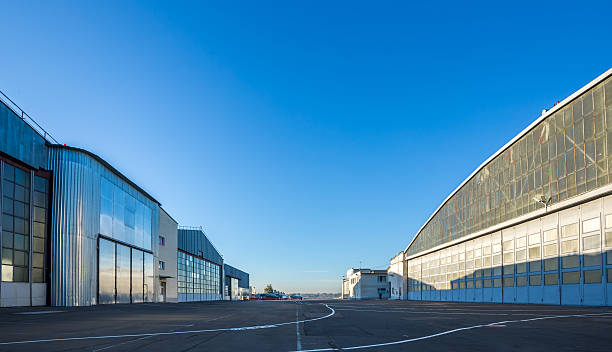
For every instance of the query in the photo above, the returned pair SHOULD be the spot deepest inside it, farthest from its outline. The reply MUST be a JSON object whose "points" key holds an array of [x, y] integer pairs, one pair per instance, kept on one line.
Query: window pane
{"points": [[550, 250], [38, 275], [592, 276], [38, 260], [137, 276], [590, 225], [20, 274], [569, 246], [608, 238], [551, 279], [551, 264], [106, 273], [521, 281], [592, 259], [20, 258], [608, 220], [569, 230], [550, 235], [591, 242], [534, 252], [570, 262], [7, 239], [123, 274], [571, 278], [535, 280], [7, 272], [7, 256]]}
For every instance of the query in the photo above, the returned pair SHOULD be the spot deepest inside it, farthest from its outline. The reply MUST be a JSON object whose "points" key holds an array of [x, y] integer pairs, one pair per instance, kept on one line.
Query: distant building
{"points": [[200, 267], [365, 284], [395, 276], [236, 283]]}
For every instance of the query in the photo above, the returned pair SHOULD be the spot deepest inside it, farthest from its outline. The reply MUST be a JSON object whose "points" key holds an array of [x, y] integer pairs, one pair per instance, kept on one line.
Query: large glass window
{"points": [[198, 279], [106, 272], [123, 217], [565, 155], [149, 276], [137, 276], [123, 274], [16, 226], [40, 197]]}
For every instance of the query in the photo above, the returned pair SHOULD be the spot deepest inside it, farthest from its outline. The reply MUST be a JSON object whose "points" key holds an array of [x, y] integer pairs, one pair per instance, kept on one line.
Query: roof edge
{"points": [[108, 166]]}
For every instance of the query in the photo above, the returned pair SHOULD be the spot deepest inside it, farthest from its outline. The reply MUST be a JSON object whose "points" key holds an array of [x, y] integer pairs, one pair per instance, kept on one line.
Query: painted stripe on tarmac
{"points": [[453, 331], [255, 327]]}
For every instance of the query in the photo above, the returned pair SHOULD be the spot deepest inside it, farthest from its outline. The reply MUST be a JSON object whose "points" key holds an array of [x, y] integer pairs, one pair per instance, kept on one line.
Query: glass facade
{"points": [[567, 154], [123, 217], [106, 272], [125, 275], [24, 224], [198, 279]]}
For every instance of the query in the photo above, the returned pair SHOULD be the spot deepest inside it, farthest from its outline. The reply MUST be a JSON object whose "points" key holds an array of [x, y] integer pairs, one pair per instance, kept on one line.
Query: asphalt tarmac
{"points": [[307, 326]]}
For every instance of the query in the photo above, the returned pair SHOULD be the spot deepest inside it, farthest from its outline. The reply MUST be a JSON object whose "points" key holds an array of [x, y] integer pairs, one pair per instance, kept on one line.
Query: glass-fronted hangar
{"points": [[75, 231], [533, 224]]}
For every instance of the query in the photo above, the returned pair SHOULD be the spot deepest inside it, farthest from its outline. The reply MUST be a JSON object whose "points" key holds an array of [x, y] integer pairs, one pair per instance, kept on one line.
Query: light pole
{"points": [[542, 199]]}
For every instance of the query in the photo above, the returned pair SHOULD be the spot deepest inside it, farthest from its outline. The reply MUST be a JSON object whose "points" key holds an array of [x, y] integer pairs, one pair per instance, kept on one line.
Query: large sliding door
{"points": [[137, 276], [125, 275], [106, 272]]}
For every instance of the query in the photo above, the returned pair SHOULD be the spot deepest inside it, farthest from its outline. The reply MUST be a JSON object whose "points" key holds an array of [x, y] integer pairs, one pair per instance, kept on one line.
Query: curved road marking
{"points": [[255, 327], [453, 331]]}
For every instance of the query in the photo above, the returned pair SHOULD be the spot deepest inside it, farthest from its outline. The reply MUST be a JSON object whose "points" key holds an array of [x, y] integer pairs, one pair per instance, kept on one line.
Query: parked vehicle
{"points": [[296, 297]]}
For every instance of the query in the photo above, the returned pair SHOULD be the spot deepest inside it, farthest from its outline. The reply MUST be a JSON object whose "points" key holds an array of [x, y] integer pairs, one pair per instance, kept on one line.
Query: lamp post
{"points": [[542, 199]]}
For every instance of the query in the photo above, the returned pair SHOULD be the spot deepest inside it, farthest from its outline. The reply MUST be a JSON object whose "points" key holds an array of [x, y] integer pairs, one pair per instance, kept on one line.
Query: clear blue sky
{"points": [[307, 137]]}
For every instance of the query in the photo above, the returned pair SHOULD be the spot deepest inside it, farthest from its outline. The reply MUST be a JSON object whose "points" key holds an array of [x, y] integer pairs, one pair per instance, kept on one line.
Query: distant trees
{"points": [[269, 289]]}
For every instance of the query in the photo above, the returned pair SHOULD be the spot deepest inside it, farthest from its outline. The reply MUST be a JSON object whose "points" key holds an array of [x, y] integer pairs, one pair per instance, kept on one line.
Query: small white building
{"points": [[395, 276], [365, 284]]}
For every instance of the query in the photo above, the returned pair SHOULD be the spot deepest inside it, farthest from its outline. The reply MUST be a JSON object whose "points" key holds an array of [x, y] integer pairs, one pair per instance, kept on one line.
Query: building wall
{"points": [[236, 283], [200, 267], [24, 195], [168, 228], [492, 241], [564, 257], [395, 276], [365, 284]]}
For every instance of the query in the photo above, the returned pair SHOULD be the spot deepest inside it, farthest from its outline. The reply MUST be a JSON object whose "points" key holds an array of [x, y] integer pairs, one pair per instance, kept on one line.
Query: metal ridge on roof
{"points": [[549, 112]]}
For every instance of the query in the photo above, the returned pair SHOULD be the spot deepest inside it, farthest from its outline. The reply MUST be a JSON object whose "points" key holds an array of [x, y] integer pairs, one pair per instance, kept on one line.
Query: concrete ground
{"points": [[307, 326]]}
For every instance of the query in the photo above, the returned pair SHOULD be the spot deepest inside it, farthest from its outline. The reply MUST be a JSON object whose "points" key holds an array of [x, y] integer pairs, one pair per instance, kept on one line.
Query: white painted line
{"points": [[42, 312], [255, 327], [453, 331], [432, 312]]}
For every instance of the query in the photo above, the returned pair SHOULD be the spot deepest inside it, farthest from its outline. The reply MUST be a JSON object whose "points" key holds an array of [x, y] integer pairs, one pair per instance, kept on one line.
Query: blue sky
{"points": [[307, 137]]}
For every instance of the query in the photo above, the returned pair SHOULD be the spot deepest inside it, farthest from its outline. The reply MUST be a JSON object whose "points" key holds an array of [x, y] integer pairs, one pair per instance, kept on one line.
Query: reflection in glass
{"points": [[148, 277], [147, 229], [118, 214], [106, 273], [137, 276], [123, 274], [106, 208]]}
